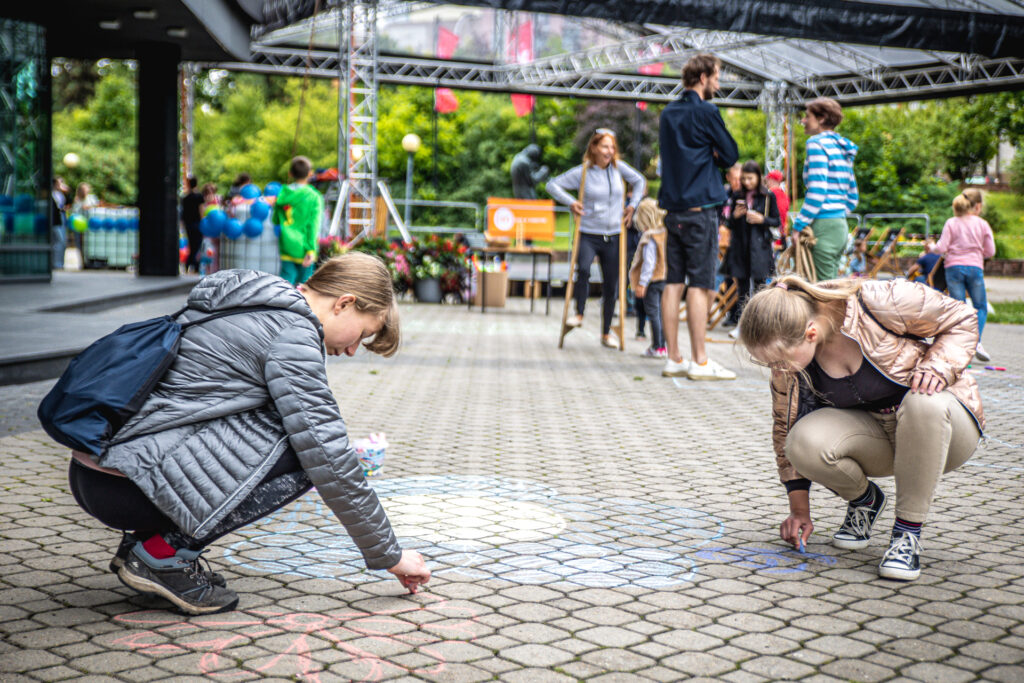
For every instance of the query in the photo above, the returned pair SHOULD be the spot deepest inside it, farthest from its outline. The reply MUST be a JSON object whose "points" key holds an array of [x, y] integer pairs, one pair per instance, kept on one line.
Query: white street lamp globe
{"points": [[411, 143], [71, 160]]}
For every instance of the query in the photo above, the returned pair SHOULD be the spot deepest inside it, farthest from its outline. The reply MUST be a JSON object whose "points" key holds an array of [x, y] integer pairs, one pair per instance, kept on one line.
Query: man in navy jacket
{"points": [[694, 143]]}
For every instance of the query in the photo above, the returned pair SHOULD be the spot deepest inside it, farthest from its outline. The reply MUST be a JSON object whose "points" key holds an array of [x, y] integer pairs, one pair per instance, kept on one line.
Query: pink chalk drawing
{"points": [[166, 634]]}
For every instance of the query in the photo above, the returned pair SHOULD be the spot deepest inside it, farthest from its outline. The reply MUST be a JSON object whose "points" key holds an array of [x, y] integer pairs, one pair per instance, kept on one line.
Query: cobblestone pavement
{"points": [[584, 517]]}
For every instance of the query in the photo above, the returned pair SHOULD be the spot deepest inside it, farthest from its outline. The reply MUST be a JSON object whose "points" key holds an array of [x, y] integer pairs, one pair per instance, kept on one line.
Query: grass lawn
{"points": [[1008, 312], [1010, 235]]}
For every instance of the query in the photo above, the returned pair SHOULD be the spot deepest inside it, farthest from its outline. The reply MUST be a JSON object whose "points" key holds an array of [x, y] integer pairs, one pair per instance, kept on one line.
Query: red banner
{"points": [[445, 101], [520, 47]]}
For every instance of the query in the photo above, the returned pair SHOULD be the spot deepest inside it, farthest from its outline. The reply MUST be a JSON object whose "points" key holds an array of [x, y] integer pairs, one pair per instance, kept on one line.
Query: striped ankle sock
{"points": [[903, 526]]}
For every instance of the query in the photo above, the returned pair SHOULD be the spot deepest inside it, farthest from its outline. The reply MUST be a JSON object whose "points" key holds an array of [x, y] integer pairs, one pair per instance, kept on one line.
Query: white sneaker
{"points": [[981, 354], [674, 369], [574, 321], [711, 371]]}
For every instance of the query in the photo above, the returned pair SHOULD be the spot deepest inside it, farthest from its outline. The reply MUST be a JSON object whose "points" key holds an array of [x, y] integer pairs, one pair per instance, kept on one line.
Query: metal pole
{"points": [[408, 190]]}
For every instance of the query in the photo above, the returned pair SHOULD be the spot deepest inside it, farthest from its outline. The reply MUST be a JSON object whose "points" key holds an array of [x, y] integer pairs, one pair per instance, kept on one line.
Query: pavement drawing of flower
{"points": [[220, 640]]}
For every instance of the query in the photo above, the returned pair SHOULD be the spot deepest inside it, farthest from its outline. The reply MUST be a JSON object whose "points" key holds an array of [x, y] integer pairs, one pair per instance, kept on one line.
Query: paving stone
{"points": [[940, 673], [28, 660], [617, 659], [777, 668], [698, 664], [537, 655], [856, 670]]}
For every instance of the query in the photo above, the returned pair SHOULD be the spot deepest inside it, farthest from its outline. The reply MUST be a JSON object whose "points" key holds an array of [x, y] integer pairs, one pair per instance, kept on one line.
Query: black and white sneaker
{"points": [[128, 542], [855, 532], [902, 561], [181, 581]]}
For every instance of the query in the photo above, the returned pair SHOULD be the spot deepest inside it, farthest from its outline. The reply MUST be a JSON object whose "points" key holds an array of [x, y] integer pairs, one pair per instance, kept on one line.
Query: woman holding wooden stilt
{"points": [[601, 210]]}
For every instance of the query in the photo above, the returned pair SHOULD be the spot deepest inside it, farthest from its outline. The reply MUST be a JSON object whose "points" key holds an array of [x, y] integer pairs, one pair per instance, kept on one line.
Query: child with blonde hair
{"points": [[966, 242], [859, 392], [647, 272]]}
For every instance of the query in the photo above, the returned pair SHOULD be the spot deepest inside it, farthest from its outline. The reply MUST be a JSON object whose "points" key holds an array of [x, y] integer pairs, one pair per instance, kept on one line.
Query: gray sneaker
{"points": [[182, 582], [128, 542]]}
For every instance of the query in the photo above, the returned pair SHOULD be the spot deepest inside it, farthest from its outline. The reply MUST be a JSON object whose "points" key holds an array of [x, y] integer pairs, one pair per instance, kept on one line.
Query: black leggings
{"points": [[607, 251], [118, 503]]}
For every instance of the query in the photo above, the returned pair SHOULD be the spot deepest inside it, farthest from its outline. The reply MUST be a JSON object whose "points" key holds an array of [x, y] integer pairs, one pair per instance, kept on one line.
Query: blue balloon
{"points": [[122, 224], [135, 222], [95, 223], [272, 189], [106, 223], [277, 230], [233, 228], [217, 218], [253, 227], [250, 191], [207, 227], [259, 209]]}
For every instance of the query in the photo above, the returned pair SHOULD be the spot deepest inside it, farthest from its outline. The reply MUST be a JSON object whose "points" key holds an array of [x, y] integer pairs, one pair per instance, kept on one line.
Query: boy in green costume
{"points": [[298, 210]]}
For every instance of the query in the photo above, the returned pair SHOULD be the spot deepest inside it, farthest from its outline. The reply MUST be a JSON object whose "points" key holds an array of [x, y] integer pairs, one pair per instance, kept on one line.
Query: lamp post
{"points": [[411, 144]]}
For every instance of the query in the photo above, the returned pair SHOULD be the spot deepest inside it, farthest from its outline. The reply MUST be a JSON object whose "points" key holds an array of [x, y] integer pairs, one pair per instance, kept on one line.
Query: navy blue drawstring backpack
{"points": [[109, 381]]}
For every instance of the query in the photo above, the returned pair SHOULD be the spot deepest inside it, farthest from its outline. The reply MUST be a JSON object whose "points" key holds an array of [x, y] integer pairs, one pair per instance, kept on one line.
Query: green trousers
{"points": [[832, 234]]}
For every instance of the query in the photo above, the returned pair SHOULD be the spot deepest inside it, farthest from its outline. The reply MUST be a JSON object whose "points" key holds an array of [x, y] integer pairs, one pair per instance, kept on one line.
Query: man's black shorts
{"points": [[691, 248]]}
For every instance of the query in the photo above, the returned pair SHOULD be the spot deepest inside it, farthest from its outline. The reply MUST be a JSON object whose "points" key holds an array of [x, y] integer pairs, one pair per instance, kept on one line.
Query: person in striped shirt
{"points": [[831, 185]]}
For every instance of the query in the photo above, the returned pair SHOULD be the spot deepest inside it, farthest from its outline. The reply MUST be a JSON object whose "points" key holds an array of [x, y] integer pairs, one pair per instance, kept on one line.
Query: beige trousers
{"points": [[927, 436]]}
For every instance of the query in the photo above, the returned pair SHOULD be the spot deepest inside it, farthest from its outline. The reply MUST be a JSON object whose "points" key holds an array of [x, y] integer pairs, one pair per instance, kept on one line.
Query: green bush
{"points": [[1008, 312]]}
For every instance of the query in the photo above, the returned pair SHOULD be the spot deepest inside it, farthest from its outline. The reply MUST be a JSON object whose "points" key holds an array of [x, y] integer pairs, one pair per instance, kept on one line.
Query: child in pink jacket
{"points": [[966, 242]]}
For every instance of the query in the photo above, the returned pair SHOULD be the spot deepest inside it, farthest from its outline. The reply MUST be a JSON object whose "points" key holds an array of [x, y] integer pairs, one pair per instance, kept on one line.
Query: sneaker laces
{"points": [[858, 521], [196, 572], [903, 550]]}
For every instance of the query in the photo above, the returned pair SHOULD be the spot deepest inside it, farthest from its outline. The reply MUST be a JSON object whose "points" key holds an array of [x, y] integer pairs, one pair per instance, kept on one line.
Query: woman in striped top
{"points": [[831, 185]]}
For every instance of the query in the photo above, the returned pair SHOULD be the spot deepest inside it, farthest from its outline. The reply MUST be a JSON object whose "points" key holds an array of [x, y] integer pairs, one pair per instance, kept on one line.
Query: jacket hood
{"points": [[848, 146], [241, 288]]}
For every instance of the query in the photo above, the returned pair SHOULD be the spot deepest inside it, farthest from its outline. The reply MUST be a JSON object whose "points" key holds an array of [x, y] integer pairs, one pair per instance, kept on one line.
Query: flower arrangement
{"points": [[427, 257]]}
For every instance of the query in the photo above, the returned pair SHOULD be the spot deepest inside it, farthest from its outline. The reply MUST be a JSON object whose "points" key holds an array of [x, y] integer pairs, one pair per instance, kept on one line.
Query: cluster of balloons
{"points": [[80, 223], [216, 222]]}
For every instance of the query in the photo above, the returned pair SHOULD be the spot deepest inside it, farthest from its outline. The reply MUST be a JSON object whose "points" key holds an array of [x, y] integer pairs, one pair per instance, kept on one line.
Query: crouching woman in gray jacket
{"points": [[243, 423]]}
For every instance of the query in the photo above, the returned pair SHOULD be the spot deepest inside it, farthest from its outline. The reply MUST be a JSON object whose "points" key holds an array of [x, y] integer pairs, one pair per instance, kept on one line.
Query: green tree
{"points": [[102, 133]]}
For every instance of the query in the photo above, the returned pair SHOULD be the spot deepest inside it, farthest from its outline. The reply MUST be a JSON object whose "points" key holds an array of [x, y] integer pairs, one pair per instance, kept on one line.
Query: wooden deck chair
{"points": [[859, 235], [884, 252], [937, 276]]}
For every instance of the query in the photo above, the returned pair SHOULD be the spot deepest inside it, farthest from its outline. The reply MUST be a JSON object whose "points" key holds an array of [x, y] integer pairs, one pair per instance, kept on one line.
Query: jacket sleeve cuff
{"points": [[386, 561], [797, 485]]}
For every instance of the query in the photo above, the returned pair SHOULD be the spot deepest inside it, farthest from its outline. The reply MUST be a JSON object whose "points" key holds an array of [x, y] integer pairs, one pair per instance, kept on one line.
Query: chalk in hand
{"points": [[802, 547]]}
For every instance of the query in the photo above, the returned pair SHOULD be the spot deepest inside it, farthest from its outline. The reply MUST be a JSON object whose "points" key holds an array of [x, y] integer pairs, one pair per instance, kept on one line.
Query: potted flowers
{"points": [[427, 278]]}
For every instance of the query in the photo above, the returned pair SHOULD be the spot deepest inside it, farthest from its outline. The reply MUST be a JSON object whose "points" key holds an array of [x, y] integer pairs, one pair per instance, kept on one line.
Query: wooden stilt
{"points": [[575, 236]]}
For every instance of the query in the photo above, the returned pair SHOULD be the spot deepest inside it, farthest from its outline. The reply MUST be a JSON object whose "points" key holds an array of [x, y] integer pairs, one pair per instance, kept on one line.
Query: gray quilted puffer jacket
{"points": [[242, 389]]}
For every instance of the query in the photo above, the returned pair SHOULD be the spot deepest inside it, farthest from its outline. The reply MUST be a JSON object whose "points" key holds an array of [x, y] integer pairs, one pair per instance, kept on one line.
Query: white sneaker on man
{"points": [[710, 371], [981, 354], [674, 369]]}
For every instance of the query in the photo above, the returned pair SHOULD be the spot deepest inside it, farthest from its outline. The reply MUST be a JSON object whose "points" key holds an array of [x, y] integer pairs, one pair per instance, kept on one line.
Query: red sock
{"points": [[157, 547]]}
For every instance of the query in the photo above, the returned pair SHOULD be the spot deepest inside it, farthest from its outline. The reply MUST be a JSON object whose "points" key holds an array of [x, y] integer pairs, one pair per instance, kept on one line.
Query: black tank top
{"points": [[867, 389]]}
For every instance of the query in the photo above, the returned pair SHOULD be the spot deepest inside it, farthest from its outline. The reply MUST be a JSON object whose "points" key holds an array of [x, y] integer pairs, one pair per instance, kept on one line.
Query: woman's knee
{"points": [[925, 409]]}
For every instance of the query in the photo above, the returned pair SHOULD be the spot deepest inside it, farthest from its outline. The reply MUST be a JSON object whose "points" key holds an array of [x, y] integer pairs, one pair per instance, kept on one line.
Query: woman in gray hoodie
{"points": [[601, 210], [243, 423]]}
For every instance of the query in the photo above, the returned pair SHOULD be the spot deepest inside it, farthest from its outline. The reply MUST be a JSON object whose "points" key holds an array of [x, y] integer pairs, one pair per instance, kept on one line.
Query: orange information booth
{"points": [[510, 223]]}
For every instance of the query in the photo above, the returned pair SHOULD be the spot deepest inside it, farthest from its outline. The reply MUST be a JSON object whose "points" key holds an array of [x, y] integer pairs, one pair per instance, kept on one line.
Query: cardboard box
{"points": [[497, 289]]}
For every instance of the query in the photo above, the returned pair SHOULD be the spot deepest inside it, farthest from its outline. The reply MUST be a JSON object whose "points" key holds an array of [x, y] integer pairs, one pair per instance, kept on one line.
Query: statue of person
{"points": [[527, 172]]}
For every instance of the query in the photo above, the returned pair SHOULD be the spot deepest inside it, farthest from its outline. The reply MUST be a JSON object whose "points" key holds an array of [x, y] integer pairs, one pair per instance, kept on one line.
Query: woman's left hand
{"points": [[755, 217], [627, 215], [925, 382]]}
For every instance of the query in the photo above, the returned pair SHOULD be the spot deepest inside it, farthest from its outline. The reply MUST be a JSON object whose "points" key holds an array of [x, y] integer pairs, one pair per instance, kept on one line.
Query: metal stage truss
{"points": [[776, 74]]}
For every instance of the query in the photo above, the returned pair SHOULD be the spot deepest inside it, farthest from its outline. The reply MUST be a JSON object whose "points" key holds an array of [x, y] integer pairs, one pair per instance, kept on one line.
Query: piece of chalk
{"points": [[803, 548], [995, 367]]}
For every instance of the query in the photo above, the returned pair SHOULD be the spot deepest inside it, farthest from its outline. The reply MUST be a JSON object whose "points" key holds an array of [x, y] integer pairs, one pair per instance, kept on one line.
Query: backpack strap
{"points": [[224, 314], [878, 322]]}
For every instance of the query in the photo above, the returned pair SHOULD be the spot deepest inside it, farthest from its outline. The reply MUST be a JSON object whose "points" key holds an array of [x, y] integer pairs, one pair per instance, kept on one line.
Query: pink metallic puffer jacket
{"points": [[909, 312]]}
